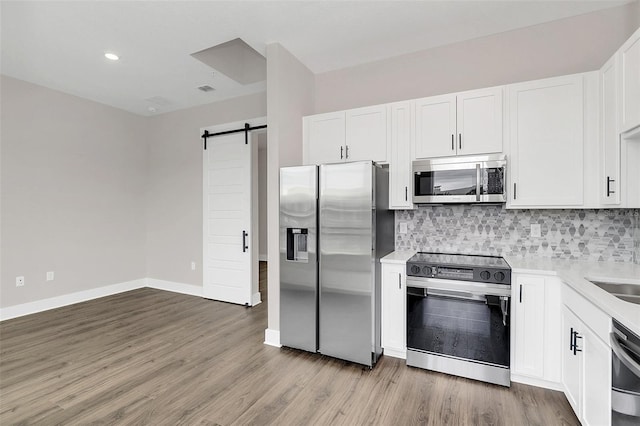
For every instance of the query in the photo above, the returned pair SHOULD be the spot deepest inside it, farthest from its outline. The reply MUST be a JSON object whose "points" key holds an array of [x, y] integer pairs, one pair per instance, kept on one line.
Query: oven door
{"points": [[459, 319]]}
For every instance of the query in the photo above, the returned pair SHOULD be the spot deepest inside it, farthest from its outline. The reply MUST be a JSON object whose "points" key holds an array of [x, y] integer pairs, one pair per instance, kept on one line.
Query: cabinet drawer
{"points": [[594, 318]]}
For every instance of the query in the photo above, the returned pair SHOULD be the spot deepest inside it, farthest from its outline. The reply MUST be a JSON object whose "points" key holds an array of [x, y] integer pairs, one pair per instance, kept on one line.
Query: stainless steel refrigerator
{"points": [[335, 226]]}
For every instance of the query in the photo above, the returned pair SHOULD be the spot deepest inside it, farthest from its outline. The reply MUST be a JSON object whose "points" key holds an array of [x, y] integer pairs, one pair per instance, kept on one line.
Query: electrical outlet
{"points": [[193, 266], [535, 230], [50, 276], [19, 281], [403, 228]]}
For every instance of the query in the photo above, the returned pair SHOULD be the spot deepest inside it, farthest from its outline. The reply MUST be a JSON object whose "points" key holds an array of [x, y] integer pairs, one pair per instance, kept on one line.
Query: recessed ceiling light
{"points": [[111, 56]]}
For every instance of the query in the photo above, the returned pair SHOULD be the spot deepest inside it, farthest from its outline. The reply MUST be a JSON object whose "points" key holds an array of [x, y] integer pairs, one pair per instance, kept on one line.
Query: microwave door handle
{"points": [[622, 355], [477, 182]]}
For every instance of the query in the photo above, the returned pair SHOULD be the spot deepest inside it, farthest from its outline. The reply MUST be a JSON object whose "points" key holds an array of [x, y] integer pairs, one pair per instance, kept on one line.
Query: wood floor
{"points": [[150, 357]]}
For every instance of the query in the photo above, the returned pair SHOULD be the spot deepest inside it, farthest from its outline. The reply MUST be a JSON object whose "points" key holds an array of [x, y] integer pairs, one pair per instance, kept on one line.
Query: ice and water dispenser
{"points": [[297, 244]]}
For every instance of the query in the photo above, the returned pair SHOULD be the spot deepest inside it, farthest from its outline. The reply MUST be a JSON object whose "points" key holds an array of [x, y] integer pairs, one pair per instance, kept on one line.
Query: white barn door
{"points": [[229, 255]]}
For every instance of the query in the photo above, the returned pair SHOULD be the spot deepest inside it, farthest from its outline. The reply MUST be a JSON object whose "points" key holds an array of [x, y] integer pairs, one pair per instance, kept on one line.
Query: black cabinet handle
{"points": [[399, 282], [341, 148], [459, 140], [520, 293], [571, 340], [406, 193], [453, 144], [244, 241], [346, 152], [609, 191], [514, 190]]}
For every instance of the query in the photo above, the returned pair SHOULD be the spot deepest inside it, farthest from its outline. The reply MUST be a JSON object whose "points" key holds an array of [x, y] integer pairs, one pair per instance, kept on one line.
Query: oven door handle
{"points": [[623, 356], [452, 293]]}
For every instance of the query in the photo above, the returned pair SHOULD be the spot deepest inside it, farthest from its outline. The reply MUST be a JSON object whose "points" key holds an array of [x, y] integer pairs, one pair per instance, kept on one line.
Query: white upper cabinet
{"points": [[324, 138], [435, 127], [609, 134], [630, 82], [465, 123], [400, 176], [546, 140], [480, 121], [366, 134], [353, 135]]}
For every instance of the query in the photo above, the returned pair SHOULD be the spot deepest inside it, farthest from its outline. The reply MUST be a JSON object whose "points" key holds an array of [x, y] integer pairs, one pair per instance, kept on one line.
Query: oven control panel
{"points": [[485, 274]]}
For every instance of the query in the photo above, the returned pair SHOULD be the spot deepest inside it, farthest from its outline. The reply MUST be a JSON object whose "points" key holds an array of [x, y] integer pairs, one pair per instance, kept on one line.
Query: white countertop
{"points": [[398, 256], [573, 273]]}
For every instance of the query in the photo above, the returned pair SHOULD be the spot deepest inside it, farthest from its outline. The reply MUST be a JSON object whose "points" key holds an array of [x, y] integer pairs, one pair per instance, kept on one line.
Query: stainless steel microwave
{"points": [[478, 179]]}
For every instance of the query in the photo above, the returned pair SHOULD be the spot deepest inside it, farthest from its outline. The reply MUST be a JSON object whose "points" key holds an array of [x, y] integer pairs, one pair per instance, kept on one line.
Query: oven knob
{"points": [[485, 275], [499, 276], [426, 271], [415, 269]]}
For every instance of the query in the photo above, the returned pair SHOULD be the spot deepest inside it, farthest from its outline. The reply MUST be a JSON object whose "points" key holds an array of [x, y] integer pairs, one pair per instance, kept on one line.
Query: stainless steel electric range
{"points": [[458, 315]]}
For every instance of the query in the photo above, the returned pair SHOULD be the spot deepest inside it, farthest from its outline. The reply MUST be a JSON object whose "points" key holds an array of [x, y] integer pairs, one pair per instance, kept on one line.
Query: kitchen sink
{"points": [[624, 291]]}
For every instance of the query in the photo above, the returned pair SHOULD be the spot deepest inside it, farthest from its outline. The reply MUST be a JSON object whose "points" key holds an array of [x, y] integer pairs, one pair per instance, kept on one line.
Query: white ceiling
{"points": [[61, 44]]}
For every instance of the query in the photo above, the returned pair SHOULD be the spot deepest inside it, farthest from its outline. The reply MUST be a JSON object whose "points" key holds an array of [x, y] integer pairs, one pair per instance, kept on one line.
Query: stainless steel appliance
{"points": [[480, 179], [334, 227], [625, 376], [458, 315]]}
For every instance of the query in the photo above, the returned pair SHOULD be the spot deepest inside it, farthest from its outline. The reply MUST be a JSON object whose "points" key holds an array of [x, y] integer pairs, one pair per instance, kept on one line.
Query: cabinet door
{"points": [[479, 121], [435, 127], [609, 139], [630, 79], [546, 132], [400, 176], [529, 311], [597, 379], [393, 310], [571, 363], [324, 138], [366, 134]]}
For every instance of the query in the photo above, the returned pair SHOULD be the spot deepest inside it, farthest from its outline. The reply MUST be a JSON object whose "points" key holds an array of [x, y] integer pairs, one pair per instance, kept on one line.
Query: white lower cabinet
{"points": [[586, 361], [535, 334], [394, 280]]}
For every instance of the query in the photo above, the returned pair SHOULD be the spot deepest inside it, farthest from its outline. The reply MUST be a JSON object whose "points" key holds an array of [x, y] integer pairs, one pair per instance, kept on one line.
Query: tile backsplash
{"points": [[611, 235]]}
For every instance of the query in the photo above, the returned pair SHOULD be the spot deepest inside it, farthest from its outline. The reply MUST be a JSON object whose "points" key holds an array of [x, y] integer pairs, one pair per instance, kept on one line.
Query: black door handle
{"points": [[245, 247], [453, 144], [341, 148], [609, 191], [406, 193], [514, 190], [571, 341], [520, 293], [575, 343], [459, 140]]}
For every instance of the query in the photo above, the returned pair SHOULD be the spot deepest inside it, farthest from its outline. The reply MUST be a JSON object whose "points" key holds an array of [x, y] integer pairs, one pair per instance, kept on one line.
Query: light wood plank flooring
{"points": [[151, 357]]}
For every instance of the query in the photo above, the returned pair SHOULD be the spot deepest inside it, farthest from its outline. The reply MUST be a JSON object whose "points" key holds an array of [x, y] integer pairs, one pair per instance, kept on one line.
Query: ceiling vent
{"points": [[235, 59], [206, 88]]}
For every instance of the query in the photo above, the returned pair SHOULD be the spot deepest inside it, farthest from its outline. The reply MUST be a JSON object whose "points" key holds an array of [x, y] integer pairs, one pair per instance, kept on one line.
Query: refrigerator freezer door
{"points": [[346, 262], [298, 257]]}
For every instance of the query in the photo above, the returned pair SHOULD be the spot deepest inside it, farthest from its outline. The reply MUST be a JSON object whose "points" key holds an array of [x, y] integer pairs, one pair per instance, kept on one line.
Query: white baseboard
{"points": [[272, 338], [395, 353], [68, 299], [532, 381], [190, 289], [256, 299]]}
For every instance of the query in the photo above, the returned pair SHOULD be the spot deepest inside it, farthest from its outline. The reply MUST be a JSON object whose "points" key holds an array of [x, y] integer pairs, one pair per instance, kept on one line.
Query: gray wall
{"points": [[73, 193], [174, 198], [566, 46], [290, 87]]}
